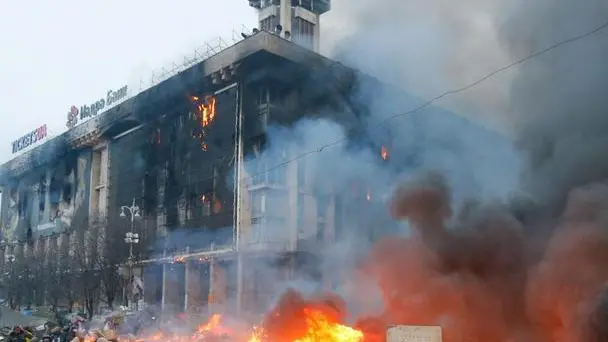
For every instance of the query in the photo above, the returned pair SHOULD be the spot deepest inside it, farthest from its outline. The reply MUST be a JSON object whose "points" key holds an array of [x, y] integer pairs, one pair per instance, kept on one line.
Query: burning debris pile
{"points": [[478, 277], [298, 321]]}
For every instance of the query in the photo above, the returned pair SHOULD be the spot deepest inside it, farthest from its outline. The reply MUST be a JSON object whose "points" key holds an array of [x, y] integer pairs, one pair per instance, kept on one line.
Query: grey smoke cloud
{"points": [[425, 48], [558, 102], [552, 105]]}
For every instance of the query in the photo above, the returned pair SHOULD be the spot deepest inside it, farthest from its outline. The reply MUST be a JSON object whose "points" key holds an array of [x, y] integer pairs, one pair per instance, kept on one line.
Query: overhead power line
{"points": [[433, 100], [445, 94]]}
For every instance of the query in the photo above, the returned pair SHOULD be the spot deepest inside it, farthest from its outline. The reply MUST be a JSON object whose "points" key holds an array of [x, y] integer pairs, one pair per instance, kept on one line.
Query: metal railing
{"points": [[201, 53]]}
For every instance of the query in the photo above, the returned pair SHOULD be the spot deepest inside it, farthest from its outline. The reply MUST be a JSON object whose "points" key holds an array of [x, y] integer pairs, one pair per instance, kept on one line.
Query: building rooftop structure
{"points": [[262, 46]]}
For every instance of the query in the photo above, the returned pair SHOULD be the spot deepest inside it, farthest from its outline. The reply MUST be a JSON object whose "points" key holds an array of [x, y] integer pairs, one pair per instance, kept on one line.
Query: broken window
{"points": [[22, 208], [67, 192], [55, 197], [41, 198], [99, 177]]}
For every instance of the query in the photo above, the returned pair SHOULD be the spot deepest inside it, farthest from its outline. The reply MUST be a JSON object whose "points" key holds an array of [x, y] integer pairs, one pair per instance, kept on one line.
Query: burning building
{"points": [[211, 201]]}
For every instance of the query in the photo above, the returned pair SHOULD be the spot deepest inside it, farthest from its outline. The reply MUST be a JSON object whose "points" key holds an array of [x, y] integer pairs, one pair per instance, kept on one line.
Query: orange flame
{"points": [[207, 111], [214, 325], [319, 327], [322, 329], [179, 259], [384, 153]]}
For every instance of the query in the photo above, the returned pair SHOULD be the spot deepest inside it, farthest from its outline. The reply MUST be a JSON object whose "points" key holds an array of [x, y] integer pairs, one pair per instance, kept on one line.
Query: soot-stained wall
{"points": [[49, 199], [177, 168]]}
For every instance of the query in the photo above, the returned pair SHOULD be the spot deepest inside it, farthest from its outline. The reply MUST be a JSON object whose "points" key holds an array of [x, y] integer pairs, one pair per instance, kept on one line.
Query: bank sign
{"points": [[87, 111], [30, 139]]}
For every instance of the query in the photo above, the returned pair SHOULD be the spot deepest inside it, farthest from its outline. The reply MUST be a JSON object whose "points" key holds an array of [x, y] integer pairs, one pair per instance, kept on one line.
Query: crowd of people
{"points": [[75, 330]]}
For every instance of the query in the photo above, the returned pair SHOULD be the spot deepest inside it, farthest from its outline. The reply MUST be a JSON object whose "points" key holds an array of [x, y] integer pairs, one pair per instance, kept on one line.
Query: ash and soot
{"points": [[530, 268]]}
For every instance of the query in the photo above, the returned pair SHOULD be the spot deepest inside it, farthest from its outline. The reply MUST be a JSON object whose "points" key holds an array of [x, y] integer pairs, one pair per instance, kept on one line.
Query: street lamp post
{"points": [[131, 237], [11, 286]]}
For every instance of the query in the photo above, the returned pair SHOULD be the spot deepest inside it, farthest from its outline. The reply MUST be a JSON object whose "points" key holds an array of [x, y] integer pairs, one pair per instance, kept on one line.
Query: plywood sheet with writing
{"points": [[411, 333]]}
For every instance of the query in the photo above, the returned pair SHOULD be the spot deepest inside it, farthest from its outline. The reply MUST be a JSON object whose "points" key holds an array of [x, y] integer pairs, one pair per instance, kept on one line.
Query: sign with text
{"points": [[413, 333], [30, 139], [88, 111]]}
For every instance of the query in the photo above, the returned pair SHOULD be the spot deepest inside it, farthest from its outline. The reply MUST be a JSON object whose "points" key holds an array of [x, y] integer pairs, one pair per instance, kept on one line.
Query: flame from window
{"points": [[384, 153], [206, 113], [179, 259], [210, 199], [206, 109]]}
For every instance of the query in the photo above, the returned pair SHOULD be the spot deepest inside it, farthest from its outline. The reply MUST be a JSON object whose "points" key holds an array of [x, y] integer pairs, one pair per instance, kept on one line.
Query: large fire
{"points": [[317, 327], [488, 280]]}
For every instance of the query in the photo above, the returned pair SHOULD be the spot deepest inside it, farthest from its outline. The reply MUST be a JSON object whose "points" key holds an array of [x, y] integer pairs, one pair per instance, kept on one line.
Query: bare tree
{"points": [[52, 275], [106, 256], [109, 261], [12, 281], [67, 274], [89, 274], [36, 278]]}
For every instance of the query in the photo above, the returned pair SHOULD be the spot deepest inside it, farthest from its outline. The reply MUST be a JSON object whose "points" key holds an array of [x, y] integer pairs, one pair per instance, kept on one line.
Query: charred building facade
{"points": [[214, 209]]}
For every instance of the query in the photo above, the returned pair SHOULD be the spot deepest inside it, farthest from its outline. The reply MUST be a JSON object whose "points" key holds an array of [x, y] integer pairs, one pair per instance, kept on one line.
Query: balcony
{"points": [[266, 175], [267, 234]]}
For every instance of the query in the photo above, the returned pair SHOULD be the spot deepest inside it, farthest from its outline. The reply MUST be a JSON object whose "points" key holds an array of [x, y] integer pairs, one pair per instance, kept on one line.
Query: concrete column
{"points": [[317, 35], [193, 287], [211, 294], [285, 15], [186, 280], [163, 302], [239, 282]]}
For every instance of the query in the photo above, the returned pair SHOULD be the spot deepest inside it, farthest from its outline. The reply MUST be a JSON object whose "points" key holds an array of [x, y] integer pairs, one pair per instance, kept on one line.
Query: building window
{"points": [[338, 218], [266, 172], [99, 178], [320, 231], [303, 32], [206, 203], [266, 3], [302, 173], [258, 209], [322, 203], [306, 4], [42, 199], [269, 23], [23, 201], [258, 204], [301, 215], [263, 96]]}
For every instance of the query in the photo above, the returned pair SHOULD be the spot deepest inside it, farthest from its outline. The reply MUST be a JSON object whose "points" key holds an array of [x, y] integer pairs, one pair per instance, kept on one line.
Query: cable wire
{"points": [[443, 95], [423, 105]]}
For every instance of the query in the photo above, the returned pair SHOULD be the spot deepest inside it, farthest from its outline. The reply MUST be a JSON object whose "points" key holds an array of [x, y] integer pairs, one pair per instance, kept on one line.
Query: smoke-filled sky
{"points": [[553, 106], [426, 47]]}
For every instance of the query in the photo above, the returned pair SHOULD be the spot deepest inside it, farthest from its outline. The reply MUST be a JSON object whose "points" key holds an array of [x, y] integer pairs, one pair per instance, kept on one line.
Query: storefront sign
{"points": [[87, 111], [29, 139]]}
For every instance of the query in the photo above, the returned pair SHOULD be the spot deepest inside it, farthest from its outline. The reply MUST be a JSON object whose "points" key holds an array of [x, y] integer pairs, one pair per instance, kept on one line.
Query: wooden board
{"points": [[413, 333]]}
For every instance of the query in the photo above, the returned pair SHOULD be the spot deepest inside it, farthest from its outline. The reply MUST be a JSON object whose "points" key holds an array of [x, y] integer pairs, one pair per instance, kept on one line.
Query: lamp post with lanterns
{"points": [[131, 237]]}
